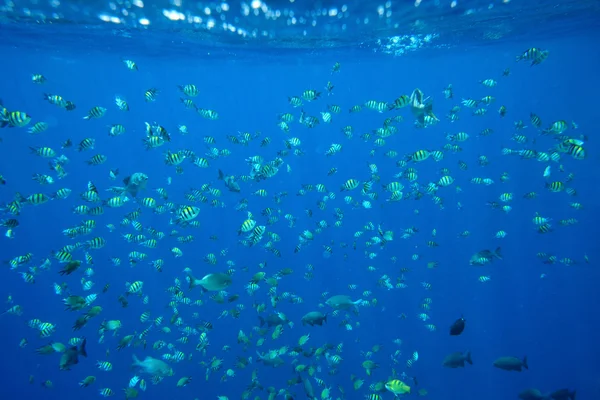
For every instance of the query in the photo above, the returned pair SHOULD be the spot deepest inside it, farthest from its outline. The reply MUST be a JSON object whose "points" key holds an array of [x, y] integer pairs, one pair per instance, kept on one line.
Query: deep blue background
{"points": [[553, 321]]}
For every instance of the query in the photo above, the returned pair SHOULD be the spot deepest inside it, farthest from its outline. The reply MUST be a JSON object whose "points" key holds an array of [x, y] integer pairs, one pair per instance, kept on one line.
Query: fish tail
{"points": [[82, 350], [468, 358], [498, 253], [525, 363], [192, 281]]}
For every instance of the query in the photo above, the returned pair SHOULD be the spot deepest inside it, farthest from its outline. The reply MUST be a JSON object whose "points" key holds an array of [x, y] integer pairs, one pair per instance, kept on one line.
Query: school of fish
{"points": [[137, 209]]}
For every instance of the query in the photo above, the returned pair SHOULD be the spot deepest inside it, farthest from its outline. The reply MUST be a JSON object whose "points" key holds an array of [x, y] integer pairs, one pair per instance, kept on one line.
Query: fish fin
{"points": [[427, 104], [498, 253], [193, 281], [82, 350], [133, 191], [126, 180], [468, 358]]}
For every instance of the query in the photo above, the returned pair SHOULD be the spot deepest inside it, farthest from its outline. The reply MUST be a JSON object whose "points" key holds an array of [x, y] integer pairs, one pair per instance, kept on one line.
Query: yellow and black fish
{"points": [[190, 90], [38, 78], [151, 94], [95, 112], [13, 119], [535, 55], [131, 65]]}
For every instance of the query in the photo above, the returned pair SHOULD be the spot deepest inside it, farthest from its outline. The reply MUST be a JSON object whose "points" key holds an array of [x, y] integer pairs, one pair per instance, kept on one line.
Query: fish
{"points": [[511, 363], [211, 282], [308, 389], [314, 318], [532, 394], [135, 182], [273, 320], [307, 386], [457, 360], [457, 327], [71, 356], [230, 182], [152, 366], [420, 105], [562, 394], [342, 302], [486, 256], [270, 359], [397, 387]]}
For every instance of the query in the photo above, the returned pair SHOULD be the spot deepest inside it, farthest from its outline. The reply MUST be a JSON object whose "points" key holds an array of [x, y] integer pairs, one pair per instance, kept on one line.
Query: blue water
{"points": [[552, 320]]}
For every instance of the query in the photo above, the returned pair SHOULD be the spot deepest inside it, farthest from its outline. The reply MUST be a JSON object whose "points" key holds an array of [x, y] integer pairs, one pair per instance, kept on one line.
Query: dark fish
{"points": [[563, 394], [511, 363], [420, 105], [457, 360], [532, 394], [230, 182], [135, 182], [314, 318], [486, 256], [70, 267], [457, 327], [272, 320], [70, 106], [308, 389], [270, 361], [71, 356]]}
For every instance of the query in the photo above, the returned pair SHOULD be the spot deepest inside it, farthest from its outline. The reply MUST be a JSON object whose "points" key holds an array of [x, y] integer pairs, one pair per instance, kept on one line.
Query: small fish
{"points": [[457, 327], [38, 78], [511, 363], [535, 55], [547, 171], [457, 360], [71, 356], [131, 65], [95, 112]]}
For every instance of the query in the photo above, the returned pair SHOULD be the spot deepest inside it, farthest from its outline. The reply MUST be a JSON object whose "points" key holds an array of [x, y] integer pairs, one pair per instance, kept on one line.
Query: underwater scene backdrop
{"points": [[299, 200]]}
